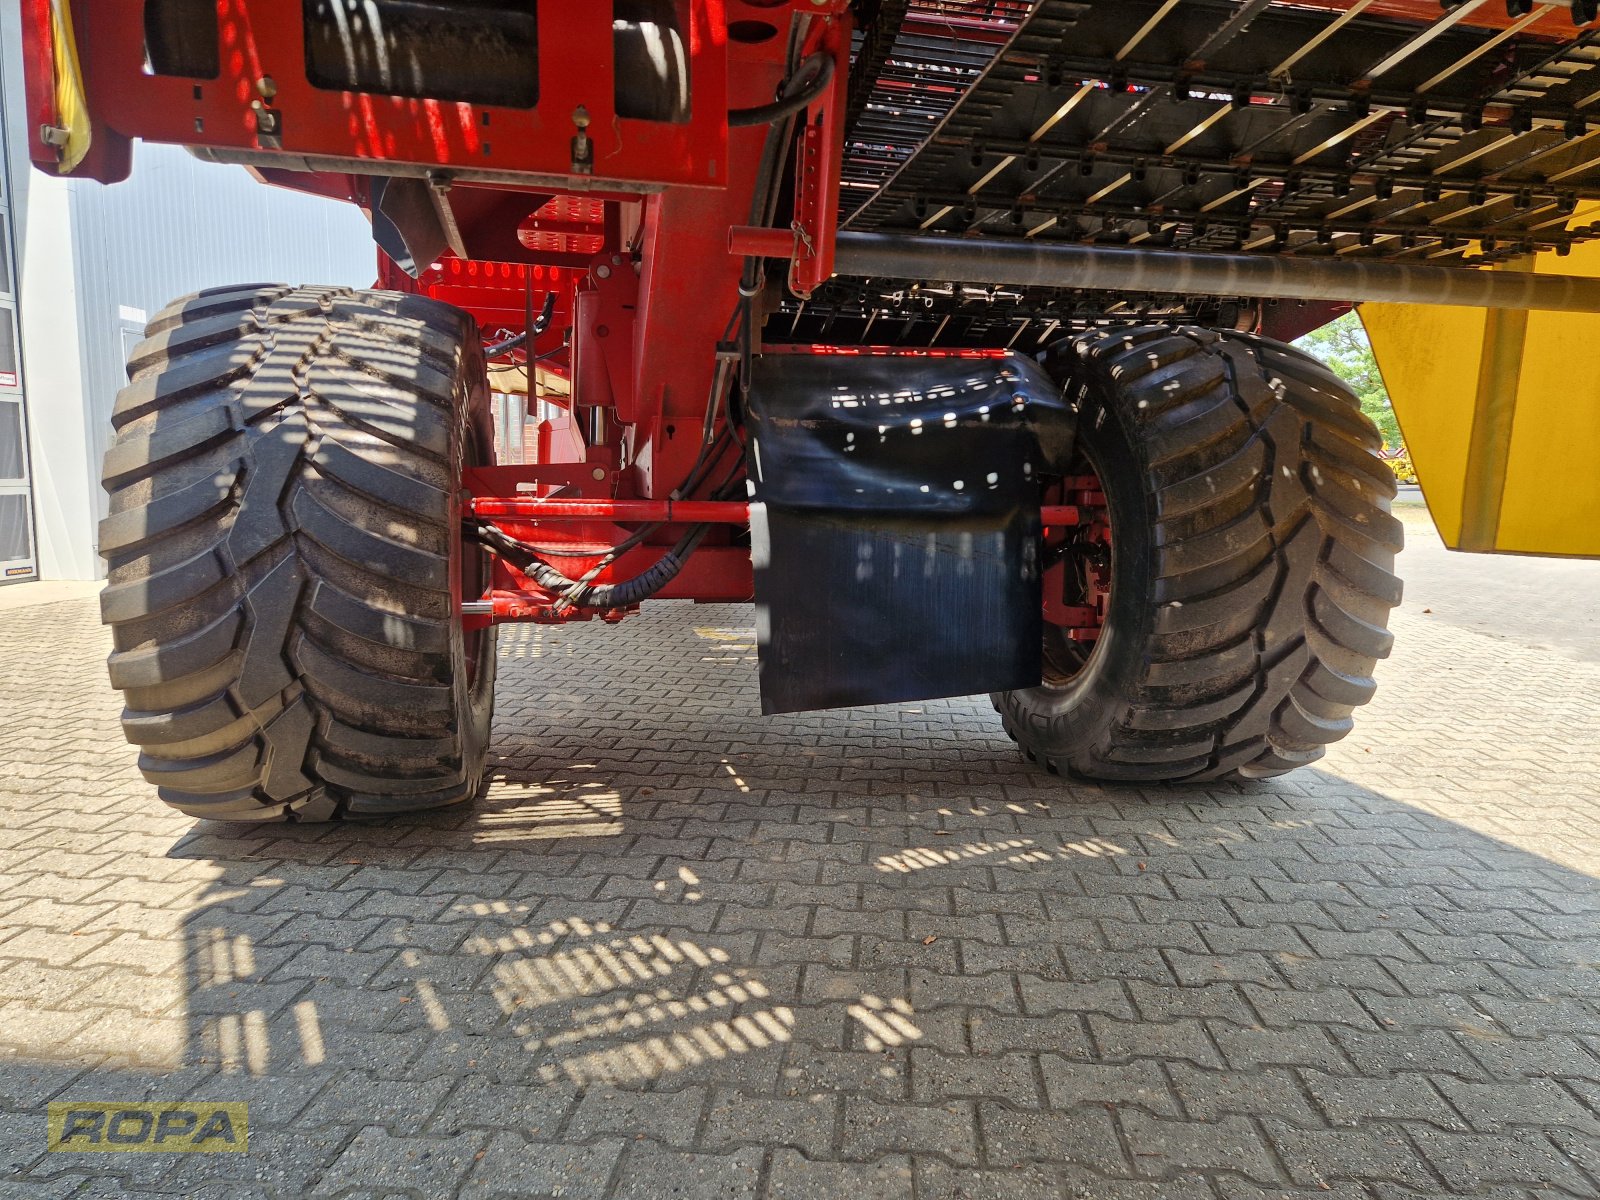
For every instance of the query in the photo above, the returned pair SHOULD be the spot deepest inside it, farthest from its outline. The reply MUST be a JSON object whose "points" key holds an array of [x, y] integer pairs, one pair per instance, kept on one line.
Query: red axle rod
{"points": [[762, 243], [693, 512]]}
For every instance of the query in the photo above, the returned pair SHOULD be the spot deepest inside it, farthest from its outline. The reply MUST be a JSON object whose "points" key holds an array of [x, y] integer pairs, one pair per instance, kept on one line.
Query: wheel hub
{"points": [[1077, 574]]}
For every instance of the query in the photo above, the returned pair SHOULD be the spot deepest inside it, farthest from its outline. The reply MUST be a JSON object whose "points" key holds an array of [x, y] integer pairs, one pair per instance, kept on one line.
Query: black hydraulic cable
{"points": [[507, 346], [801, 91], [719, 380], [763, 206], [713, 456], [540, 324], [477, 533], [692, 477], [720, 492], [579, 593], [527, 555], [523, 360], [642, 586], [646, 584], [711, 451], [691, 482]]}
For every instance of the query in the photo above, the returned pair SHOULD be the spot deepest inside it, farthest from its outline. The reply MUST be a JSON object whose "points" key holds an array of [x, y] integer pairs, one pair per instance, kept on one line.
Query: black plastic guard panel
{"points": [[895, 525]]}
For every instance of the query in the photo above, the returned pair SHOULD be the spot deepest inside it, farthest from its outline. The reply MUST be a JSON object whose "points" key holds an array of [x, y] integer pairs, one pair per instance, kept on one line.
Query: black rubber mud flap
{"points": [[895, 525]]}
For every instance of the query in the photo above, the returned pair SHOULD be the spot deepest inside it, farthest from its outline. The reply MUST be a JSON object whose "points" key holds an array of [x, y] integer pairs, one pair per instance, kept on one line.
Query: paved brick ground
{"points": [[682, 951]]}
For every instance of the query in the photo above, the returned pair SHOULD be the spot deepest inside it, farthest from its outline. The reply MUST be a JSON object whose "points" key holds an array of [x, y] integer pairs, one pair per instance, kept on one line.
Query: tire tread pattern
{"points": [[247, 610], [1272, 557]]}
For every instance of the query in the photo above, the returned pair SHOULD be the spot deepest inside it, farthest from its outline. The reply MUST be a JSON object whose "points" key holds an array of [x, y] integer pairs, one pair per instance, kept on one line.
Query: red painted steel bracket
{"points": [[817, 171], [809, 241], [607, 305], [1082, 623], [263, 102], [598, 475]]}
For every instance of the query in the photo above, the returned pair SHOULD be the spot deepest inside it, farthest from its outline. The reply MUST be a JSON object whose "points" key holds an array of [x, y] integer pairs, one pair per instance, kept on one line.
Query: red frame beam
{"points": [[688, 512], [264, 40], [636, 324]]}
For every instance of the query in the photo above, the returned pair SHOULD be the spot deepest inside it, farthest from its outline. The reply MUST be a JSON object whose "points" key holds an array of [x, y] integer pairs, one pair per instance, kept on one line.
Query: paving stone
{"points": [[938, 1180], [376, 1160], [943, 957], [1518, 1058], [1069, 1083], [1182, 1039], [950, 1030], [480, 1101], [1540, 1103], [1243, 1189], [1160, 1146], [1224, 1001], [872, 1128], [1269, 1091], [358, 1099], [651, 1172], [1287, 1008], [1064, 1033], [1400, 1097], [1040, 960], [668, 1117], [806, 1123], [512, 1167], [794, 1177], [26, 1085], [808, 1070], [1315, 1157], [288, 1162], [1086, 1136], [1523, 1160], [1196, 970], [937, 1076], [1045, 996], [1143, 964], [1388, 1052], [1080, 1184], [1583, 1149]]}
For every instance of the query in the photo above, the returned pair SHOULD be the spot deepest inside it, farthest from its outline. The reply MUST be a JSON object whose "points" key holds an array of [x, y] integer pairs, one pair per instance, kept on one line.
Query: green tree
{"points": [[1342, 345]]}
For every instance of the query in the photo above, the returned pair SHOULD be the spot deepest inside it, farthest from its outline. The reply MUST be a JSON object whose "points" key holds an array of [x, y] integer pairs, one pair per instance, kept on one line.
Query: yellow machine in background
{"points": [[1501, 414]]}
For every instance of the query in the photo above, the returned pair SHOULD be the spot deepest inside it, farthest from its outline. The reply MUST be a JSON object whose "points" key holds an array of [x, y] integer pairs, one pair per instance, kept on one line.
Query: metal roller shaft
{"points": [[1177, 272]]}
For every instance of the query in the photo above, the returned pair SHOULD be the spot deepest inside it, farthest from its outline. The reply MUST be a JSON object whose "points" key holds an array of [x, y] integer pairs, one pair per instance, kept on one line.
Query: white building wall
{"points": [[64, 504], [95, 261]]}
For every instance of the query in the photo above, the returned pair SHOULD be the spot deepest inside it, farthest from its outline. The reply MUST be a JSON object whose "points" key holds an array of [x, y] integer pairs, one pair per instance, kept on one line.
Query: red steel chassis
{"points": [[635, 252], [641, 241]]}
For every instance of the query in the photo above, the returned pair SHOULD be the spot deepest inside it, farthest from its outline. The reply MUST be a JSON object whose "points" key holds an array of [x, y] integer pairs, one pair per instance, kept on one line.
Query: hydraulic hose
{"points": [[581, 594], [540, 324], [808, 82], [506, 347]]}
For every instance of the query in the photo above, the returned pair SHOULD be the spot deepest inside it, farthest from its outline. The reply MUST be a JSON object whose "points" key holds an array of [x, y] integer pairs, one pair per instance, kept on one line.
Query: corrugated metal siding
{"points": [[179, 225]]}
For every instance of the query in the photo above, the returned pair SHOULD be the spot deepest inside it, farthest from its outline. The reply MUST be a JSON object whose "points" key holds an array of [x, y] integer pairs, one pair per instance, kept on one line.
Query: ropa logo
{"points": [[171, 1127]]}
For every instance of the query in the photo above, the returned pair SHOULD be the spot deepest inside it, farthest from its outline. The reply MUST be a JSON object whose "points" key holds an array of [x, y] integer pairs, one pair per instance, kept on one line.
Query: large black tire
{"points": [[285, 554], [1252, 561]]}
